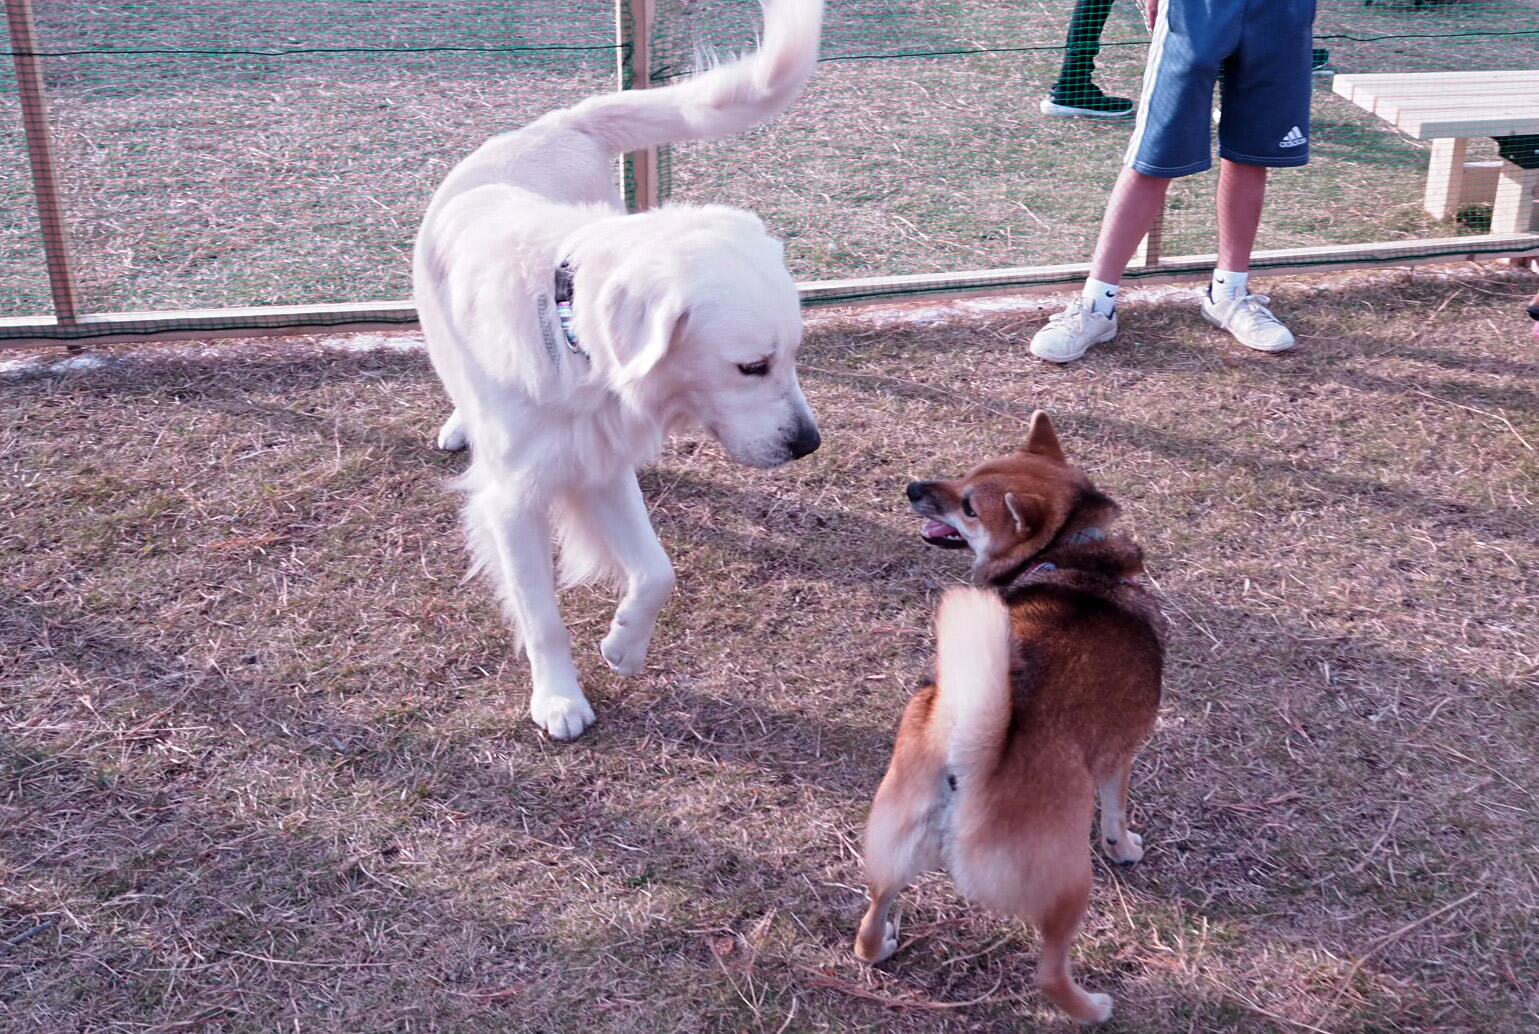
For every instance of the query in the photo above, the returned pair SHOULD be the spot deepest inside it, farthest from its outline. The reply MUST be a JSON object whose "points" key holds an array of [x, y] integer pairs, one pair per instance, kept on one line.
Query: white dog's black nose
{"points": [[806, 440]]}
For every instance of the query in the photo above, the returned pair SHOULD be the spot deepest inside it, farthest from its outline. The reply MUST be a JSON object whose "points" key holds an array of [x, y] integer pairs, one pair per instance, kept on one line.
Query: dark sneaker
{"points": [[1085, 101]]}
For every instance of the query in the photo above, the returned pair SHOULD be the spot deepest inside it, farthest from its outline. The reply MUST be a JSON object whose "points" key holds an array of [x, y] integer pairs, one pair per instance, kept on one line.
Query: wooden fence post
{"points": [[1148, 254], [633, 33], [45, 182]]}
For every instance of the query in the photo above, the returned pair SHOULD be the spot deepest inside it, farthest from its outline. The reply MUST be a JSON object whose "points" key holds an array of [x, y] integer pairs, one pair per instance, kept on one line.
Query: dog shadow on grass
{"points": [[1264, 784], [159, 833], [288, 394], [1484, 517], [786, 538]]}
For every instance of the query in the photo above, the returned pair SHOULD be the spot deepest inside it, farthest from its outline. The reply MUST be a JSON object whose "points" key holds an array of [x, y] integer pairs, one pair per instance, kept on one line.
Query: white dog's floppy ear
{"points": [[660, 327], [641, 330]]}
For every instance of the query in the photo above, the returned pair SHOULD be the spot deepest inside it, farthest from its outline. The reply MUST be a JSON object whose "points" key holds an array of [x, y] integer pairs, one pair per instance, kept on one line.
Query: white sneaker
{"points": [[1250, 321], [1070, 334]]}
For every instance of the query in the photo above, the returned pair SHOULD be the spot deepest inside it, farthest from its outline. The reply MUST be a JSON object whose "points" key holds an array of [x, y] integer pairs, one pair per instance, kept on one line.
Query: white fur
{"points": [[972, 675], [668, 304]]}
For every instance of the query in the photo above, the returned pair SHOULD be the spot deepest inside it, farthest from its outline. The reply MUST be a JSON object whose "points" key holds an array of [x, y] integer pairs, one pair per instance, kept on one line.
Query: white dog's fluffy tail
{"points": [[972, 676], [724, 100]]}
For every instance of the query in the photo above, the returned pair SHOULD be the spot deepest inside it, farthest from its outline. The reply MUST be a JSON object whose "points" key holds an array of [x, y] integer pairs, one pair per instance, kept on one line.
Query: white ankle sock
{"points": [[1100, 297], [1228, 284]]}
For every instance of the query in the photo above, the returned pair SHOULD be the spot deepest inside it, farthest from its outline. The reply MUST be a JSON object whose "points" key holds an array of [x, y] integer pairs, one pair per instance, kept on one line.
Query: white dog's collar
{"points": [[564, 274]]}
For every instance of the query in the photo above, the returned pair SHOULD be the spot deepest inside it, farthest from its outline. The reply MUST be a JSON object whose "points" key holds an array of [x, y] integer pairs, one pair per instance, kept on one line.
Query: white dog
{"points": [[573, 338]]}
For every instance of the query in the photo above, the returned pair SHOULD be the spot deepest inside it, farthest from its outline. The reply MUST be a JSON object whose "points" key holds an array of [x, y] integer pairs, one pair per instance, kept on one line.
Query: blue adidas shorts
{"points": [[1263, 48]]}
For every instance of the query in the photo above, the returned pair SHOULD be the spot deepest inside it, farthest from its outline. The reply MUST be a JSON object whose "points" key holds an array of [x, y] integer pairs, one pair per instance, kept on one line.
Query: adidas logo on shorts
{"points": [[1293, 139]]}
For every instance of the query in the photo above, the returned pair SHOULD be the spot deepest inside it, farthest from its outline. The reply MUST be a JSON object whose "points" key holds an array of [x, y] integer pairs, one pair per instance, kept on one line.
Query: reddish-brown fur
{"points": [[1000, 789]]}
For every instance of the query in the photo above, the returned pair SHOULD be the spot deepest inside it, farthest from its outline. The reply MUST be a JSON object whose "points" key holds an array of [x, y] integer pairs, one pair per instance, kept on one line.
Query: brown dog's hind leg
{"points": [[900, 844], [1058, 925], [878, 935], [1120, 843]]}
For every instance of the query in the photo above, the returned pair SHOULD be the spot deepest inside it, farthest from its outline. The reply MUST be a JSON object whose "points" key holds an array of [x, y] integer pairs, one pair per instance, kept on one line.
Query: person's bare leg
{"points": [[1241, 193], [1229, 302], [1136, 202]]}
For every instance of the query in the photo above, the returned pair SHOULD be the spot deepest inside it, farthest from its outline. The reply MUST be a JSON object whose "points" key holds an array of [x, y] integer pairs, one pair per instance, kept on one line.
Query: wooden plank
{"points": [[1486, 86], [1377, 78], [1486, 100], [248, 321], [1432, 128], [1356, 85], [1397, 109], [45, 181], [1177, 269], [1466, 119], [1485, 104], [259, 321]]}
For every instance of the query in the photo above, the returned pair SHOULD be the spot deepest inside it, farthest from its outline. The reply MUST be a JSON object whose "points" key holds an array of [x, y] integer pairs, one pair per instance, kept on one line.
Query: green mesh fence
{"points": [[923, 146], [237, 153]]}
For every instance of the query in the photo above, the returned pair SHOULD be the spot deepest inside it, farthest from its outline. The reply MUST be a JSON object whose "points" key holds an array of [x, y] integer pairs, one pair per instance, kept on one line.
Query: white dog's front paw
{"points": [[452, 436], [625, 649], [1127, 850], [562, 716]]}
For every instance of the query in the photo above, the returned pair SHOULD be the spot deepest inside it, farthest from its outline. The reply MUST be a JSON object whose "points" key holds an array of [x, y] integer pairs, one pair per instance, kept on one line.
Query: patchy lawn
{"points": [[265, 763]]}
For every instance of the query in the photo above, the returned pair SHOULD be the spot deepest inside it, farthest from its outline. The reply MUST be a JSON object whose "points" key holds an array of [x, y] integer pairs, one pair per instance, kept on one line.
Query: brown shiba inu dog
{"points": [[1047, 681]]}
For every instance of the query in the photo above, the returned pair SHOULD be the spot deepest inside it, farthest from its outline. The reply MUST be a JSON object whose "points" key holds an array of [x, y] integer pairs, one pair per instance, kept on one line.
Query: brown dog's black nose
{"points": [[1533, 312], [917, 489]]}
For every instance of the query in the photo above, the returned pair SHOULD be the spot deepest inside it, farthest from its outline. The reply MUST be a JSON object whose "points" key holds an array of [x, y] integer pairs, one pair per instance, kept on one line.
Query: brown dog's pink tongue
{"points": [[1536, 330], [938, 529]]}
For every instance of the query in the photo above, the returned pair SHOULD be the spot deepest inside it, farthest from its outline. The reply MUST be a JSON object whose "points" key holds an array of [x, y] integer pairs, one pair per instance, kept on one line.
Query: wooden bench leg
{"points": [[1445, 174], [1514, 208]]}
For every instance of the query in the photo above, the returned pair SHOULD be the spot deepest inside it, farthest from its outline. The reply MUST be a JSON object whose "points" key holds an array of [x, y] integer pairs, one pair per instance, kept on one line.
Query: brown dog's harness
{"points": [[1080, 538], [1083, 537]]}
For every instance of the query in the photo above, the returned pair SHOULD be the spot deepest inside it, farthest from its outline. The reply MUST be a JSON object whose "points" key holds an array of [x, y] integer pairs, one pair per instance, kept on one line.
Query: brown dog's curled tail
{"points": [[972, 676]]}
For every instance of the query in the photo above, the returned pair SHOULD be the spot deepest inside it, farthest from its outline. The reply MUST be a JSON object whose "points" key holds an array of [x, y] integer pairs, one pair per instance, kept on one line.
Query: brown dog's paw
{"points": [[880, 951]]}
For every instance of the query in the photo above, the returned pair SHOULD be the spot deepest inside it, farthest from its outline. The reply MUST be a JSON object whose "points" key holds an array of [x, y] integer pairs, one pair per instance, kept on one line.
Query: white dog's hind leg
{"points": [[514, 540], [619, 513], [452, 436]]}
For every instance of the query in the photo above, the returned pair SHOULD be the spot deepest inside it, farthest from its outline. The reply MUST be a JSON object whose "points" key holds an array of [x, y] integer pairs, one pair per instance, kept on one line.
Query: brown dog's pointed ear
{"points": [[1042, 440], [1030, 513], [1015, 511]]}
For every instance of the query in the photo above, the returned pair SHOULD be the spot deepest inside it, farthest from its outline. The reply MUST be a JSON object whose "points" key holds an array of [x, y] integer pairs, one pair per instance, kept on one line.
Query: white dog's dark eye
{"points": [[758, 369], [967, 507]]}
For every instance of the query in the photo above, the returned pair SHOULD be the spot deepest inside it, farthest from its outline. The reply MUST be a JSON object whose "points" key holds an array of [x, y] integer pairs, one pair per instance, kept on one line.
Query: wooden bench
{"points": [[1449, 108]]}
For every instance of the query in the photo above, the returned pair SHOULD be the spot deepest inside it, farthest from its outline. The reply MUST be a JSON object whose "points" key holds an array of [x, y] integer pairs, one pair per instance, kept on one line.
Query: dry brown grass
{"points": [[264, 762]]}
